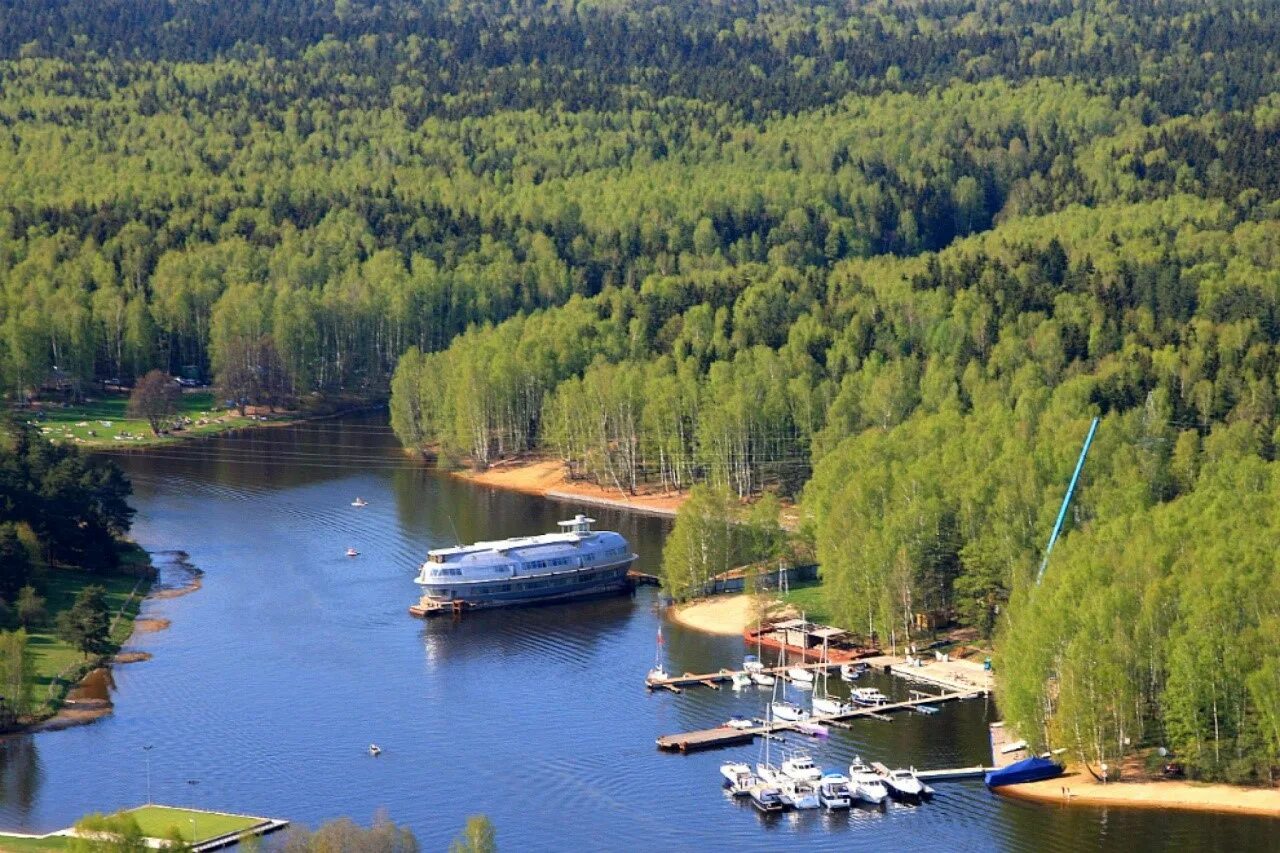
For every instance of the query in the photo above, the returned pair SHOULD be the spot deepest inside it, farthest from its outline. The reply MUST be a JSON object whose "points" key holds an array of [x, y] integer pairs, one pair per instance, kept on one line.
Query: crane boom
{"points": [[1066, 499]]}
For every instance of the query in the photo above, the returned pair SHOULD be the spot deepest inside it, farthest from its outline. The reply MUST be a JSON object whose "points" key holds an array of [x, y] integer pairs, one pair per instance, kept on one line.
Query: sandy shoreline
{"points": [[545, 477], [1080, 789], [727, 615]]}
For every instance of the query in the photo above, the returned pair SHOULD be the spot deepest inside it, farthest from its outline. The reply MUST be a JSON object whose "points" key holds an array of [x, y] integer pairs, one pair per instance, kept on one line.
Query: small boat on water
{"points": [[852, 671], [739, 723], [751, 663], [800, 676], [1027, 770], [738, 778], [658, 672], [374, 749], [799, 795], [868, 697], [740, 680], [789, 711], [352, 552], [904, 784], [823, 702], [801, 768], [833, 792], [766, 799], [866, 784], [359, 502], [927, 709], [763, 679]]}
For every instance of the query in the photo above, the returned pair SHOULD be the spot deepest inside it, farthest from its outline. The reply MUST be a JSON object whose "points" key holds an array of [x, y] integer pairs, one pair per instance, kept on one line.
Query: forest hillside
{"points": [[888, 258]]}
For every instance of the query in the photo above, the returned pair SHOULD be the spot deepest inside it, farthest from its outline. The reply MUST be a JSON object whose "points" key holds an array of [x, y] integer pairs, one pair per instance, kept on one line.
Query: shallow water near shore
{"points": [[273, 678]]}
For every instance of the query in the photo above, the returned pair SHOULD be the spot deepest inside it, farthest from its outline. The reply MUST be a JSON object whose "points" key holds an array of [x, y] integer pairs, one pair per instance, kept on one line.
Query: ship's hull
{"points": [[520, 591]]}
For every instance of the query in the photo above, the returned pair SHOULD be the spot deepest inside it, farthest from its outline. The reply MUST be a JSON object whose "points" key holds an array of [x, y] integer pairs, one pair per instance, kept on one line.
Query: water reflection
{"points": [[20, 775]]}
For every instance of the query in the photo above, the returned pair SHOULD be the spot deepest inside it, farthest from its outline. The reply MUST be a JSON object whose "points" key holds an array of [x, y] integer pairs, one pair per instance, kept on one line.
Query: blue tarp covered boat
{"points": [[1027, 770]]}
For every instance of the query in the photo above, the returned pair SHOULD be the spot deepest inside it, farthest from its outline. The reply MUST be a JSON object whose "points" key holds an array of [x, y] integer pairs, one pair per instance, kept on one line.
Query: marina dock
{"points": [[725, 736]]}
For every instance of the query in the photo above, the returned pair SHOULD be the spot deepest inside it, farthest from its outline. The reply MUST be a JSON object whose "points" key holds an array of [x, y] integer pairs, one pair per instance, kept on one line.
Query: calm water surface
{"points": [[292, 658]]}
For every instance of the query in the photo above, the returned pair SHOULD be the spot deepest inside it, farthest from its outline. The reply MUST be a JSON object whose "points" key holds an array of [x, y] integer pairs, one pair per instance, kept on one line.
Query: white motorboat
{"points": [[789, 711], [833, 791], [751, 663], [352, 552], [799, 795], [374, 749], [740, 723], [866, 784], [741, 680], [359, 502], [801, 768], [852, 671], [738, 778], [867, 697], [800, 676], [764, 679], [766, 799], [904, 784]]}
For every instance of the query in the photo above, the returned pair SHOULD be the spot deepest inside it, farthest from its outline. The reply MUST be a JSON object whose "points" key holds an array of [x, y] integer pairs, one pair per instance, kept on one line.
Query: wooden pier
{"points": [[975, 772], [726, 736], [712, 679]]}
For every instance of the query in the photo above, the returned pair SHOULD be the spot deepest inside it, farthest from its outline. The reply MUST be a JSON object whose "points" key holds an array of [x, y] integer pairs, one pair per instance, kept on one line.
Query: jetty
{"points": [[722, 736], [956, 678]]}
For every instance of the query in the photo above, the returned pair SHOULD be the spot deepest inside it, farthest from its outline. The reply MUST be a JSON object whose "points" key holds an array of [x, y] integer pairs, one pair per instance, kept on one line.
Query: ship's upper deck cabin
{"points": [[575, 544]]}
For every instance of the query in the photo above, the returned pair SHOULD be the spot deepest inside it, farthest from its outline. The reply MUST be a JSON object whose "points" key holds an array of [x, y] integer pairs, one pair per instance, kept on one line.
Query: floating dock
{"points": [[712, 679], [975, 772], [726, 736]]}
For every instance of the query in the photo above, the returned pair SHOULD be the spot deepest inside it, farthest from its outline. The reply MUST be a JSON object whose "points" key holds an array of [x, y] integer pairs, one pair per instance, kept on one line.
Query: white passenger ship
{"points": [[574, 563]]}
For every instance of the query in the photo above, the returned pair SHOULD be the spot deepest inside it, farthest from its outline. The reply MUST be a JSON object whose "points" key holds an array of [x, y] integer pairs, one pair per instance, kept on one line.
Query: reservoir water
{"points": [[274, 677]]}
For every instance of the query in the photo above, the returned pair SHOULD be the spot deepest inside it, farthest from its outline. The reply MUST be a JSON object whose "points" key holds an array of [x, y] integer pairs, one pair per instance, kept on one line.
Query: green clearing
{"points": [[195, 825], [16, 844], [103, 422], [811, 599], [53, 657]]}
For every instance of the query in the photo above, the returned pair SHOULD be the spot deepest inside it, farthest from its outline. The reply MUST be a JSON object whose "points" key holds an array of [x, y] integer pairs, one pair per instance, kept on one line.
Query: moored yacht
{"points": [[833, 791], [801, 768], [738, 778], [789, 711], [868, 697], [904, 784], [575, 563], [866, 784]]}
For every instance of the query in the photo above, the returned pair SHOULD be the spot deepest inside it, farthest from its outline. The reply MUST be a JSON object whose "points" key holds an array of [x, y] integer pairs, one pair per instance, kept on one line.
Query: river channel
{"points": [[272, 680]]}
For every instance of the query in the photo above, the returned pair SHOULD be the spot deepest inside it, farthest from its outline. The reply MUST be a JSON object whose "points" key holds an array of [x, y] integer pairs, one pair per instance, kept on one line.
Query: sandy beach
{"points": [[546, 477], [724, 615], [1081, 789]]}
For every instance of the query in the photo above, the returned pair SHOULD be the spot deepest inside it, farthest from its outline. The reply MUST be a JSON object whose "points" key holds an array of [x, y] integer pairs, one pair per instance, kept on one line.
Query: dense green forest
{"points": [[888, 258]]}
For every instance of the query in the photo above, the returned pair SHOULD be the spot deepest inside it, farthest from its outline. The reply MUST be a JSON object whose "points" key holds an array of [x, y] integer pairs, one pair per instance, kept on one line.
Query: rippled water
{"points": [[292, 658]]}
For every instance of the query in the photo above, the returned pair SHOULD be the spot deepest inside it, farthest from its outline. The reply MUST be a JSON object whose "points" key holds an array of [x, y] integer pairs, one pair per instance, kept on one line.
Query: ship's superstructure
{"points": [[573, 563]]}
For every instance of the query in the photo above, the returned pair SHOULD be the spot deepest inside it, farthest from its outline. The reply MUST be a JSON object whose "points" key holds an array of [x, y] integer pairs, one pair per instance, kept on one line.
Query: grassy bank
{"points": [[57, 664], [20, 844], [104, 422]]}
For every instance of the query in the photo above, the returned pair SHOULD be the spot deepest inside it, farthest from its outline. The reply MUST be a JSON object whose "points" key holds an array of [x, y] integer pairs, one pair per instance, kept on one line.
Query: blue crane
{"points": [[1066, 500]]}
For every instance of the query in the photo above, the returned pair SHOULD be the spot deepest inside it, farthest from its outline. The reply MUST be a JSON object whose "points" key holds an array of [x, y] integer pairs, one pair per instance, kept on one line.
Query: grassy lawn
{"points": [[13, 844], [811, 598], [102, 421], [51, 655], [156, 821]]}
